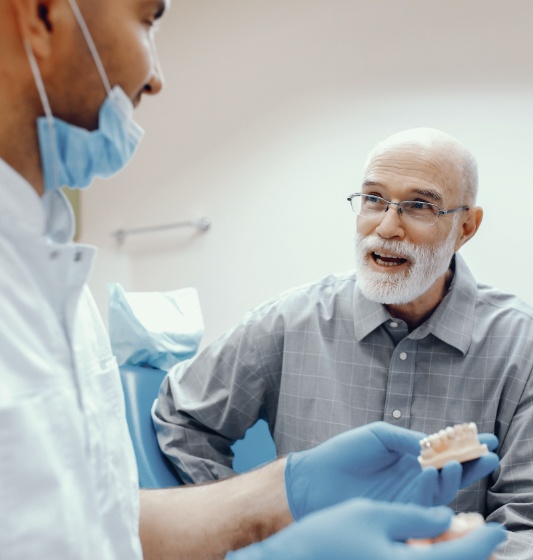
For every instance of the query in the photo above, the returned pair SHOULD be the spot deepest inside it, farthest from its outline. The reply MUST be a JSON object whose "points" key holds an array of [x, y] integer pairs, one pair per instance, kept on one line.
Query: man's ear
{"points": [[35, 21], [469, 226]]}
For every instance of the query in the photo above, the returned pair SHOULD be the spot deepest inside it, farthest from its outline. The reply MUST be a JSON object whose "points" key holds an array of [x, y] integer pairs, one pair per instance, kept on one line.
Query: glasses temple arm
{"points": [[460, 209]]}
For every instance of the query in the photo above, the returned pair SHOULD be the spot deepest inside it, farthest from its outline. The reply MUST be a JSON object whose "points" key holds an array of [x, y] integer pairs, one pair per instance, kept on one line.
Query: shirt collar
{"points": [[22, 208], [60, 221], [368, 315], [452, 321]]}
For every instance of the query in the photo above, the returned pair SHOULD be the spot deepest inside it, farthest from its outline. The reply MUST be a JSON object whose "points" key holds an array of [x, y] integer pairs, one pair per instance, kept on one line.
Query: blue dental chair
{"points": [[141, 386]]}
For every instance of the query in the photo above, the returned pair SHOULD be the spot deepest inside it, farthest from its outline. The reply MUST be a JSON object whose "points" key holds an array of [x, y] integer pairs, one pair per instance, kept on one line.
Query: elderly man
{"points": [[74, 69], [410, 338]]}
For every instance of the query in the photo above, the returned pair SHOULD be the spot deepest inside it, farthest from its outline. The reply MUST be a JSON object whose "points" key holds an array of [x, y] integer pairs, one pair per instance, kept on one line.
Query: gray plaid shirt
{"points": [[321, 358]]}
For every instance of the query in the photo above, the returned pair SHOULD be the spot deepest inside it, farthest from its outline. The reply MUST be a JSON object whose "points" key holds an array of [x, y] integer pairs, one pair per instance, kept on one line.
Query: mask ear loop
{"points": [[90, 43], [47, 110], [38, 80]]}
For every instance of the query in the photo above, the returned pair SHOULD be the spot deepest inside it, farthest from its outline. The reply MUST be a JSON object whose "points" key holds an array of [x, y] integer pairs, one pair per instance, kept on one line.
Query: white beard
{"points": [[427, 264]]}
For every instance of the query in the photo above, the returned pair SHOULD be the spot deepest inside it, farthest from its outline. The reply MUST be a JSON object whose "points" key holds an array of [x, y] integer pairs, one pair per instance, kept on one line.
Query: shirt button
{"points": [[393, 324], [397, 414], [403, 356]]}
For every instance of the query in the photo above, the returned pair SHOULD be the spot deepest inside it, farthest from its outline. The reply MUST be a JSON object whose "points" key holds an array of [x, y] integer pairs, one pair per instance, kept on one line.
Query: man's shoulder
{"points": [[329, 288], [333, 284], [498, 300]]}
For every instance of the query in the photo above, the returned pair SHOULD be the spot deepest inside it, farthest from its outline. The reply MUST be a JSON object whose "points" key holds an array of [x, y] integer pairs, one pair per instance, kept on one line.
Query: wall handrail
{"points": [[203, 224]]}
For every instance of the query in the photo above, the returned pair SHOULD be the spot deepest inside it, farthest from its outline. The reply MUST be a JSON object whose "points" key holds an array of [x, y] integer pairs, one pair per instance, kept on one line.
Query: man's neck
{"points": [[26, 164], [416, 312], [19, 146]]}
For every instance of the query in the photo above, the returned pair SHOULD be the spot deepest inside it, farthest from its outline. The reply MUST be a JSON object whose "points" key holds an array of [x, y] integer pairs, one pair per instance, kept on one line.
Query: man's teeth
{"points": [[387, 260]]}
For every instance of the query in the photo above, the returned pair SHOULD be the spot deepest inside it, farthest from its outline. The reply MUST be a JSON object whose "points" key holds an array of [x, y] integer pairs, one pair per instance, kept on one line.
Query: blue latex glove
{"points": [[365, 530], [376, 461]]}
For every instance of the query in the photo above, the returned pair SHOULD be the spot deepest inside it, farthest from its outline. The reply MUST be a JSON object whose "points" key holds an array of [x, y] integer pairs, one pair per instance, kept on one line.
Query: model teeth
{"points": [[457, 443]]}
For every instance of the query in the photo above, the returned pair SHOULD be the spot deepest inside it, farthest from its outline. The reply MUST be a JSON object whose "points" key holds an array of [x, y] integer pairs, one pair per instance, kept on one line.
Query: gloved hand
{"points": [[377, 461], [365, 530]]}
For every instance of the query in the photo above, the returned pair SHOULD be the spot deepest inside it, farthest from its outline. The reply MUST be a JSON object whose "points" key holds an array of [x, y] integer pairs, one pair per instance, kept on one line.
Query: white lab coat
{"points": [[68, 480]]}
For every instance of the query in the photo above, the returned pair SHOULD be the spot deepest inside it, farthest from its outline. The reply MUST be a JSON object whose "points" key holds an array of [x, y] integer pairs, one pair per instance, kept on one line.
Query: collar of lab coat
{"points": [[49, 215]]}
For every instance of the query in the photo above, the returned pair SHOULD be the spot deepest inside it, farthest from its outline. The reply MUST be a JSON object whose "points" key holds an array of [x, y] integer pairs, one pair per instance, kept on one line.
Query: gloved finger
{"points": [[477, 545], [479, 468], [412, 521], [450, 481], [397, 439], [426, 484], [490, 440]]}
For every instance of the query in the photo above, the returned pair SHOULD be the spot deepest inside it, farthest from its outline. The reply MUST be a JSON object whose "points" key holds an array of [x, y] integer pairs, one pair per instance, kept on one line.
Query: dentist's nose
{"points": [[156, 81], [155, 78]]}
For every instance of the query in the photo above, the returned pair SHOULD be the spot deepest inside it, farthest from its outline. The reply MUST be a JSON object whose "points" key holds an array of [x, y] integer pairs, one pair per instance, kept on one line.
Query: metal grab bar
{"points": [[203, 224]]}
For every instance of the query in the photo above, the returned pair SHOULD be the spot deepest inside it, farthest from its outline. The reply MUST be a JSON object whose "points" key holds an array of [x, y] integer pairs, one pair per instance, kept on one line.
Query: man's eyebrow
{"points": [[434, 195], [428, 193], [370, 183]]}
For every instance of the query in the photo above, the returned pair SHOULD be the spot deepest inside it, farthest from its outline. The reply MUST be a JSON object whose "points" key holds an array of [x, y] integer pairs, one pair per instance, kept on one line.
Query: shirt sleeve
{"points": [[510, 499], [208, 403]]}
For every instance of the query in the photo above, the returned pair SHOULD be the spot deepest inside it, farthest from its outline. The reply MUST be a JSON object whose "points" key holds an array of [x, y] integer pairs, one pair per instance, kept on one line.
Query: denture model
{"points": [[461, 524], [459, 443]]}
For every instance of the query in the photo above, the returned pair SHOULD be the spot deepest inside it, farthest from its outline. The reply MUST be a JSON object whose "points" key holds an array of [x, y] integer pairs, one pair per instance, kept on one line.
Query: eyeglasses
{"points": [[372, 206]]}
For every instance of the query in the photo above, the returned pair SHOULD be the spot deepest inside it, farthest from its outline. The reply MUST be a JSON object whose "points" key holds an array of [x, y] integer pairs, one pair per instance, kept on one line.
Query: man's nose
{"points": [[391, 224], [156, 81]]}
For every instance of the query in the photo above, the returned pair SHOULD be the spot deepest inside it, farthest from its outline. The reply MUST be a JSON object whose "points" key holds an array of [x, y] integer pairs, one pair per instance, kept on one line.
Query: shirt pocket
{"points": [[116, 467]]}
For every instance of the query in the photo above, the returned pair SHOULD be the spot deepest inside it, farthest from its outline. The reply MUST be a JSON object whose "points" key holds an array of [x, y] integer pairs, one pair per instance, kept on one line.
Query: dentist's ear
{"points": [[36, 21]]}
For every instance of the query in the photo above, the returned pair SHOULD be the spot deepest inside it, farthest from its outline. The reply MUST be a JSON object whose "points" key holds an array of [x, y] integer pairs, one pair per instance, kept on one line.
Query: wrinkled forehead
{"points": [[416, 163]]}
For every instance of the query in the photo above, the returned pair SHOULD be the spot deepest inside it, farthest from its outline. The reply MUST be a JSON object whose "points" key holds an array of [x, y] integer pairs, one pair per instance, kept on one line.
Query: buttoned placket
{"points": [[401, 375], [69, 266]]}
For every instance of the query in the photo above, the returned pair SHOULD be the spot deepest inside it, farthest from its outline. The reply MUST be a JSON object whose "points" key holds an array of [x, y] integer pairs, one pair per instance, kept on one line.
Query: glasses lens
{"points": [[420, 211], [368, 205]]}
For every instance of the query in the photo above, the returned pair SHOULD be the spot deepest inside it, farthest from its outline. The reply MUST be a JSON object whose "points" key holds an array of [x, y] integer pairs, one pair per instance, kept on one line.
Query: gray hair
{"points": [[469, 176]]}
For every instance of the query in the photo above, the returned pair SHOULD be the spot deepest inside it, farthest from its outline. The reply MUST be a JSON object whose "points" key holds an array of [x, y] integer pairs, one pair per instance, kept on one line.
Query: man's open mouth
{"points": [[387, 260]]}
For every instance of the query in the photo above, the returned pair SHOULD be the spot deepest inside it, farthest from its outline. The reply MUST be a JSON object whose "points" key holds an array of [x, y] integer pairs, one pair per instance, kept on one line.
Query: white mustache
{"points": [[402, 249]]}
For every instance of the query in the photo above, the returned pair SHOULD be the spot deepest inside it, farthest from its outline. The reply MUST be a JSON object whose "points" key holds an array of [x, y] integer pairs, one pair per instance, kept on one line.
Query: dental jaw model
{"points": [[462, 524], [457, 443]]}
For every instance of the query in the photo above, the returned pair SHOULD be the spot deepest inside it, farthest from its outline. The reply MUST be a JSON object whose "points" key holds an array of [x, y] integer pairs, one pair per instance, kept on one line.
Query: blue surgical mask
{"points": [[72, 156]]}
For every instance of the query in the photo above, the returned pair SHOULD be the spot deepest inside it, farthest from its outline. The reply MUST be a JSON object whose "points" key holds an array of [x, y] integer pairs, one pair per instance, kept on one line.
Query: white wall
{"points": [[268, 113]]}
